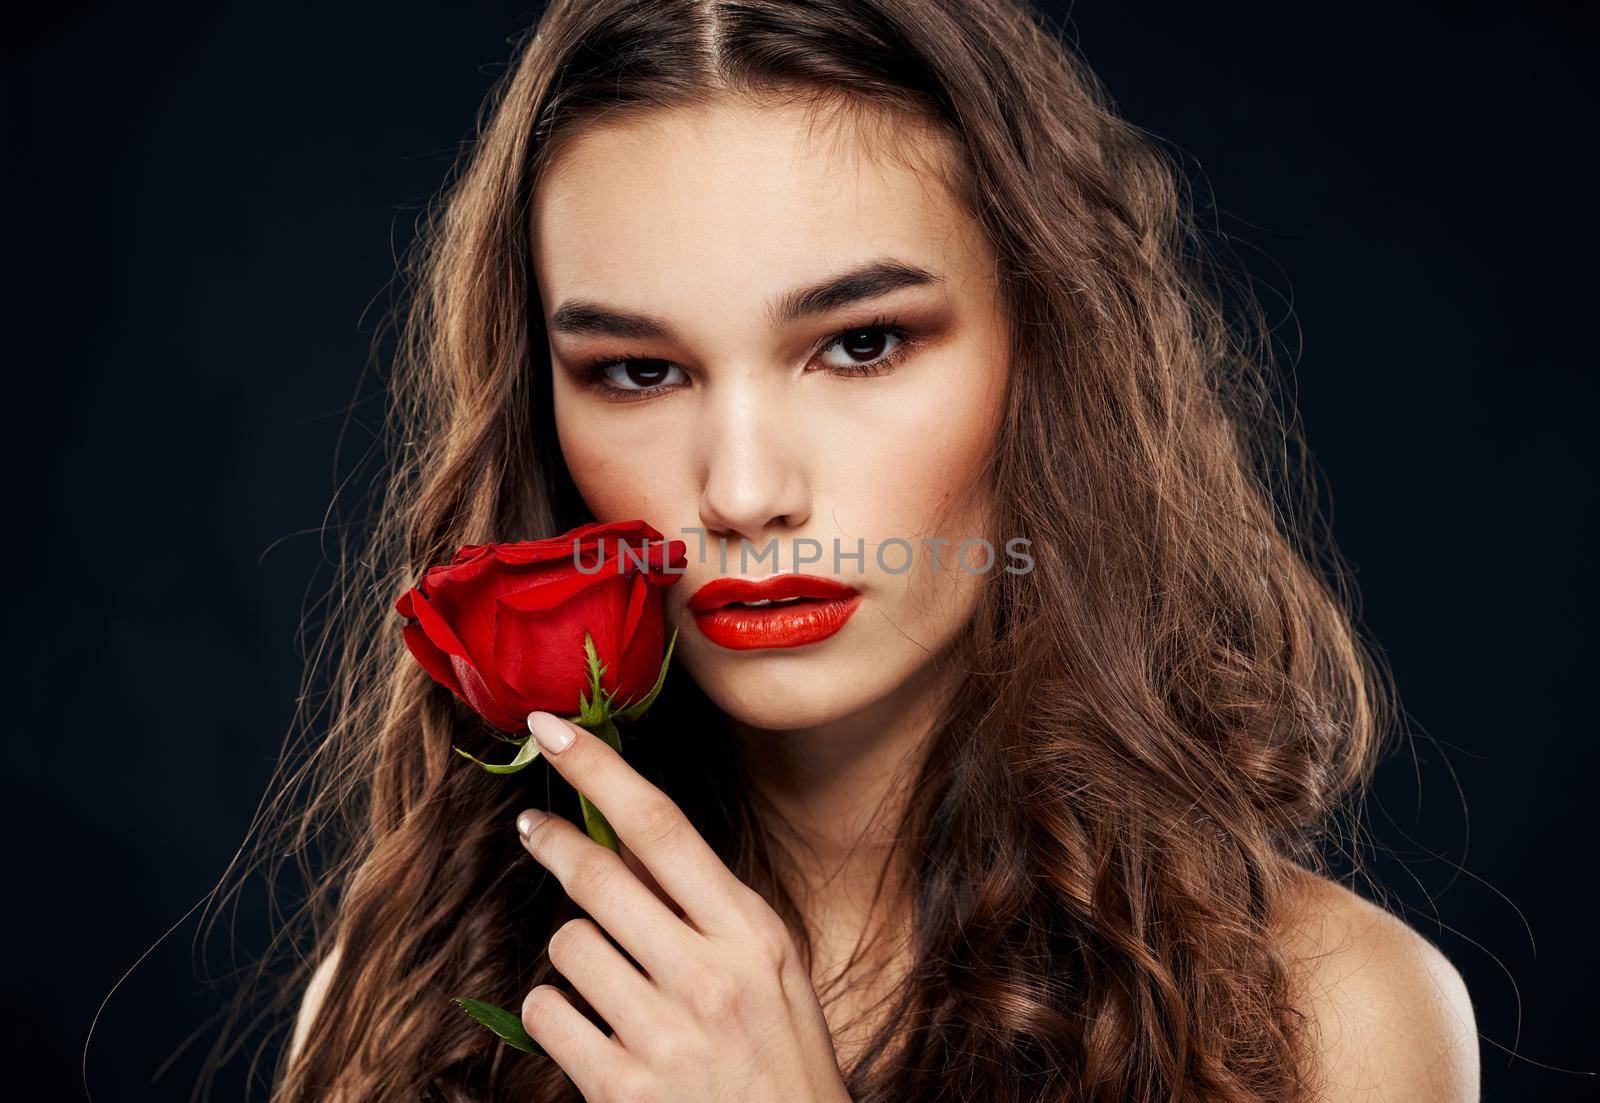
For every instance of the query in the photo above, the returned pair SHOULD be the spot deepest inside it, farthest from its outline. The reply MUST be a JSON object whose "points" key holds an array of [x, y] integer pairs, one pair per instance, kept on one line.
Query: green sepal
{"points": [[527, 751], [637, 709], [506, 1026], [594, 707]]}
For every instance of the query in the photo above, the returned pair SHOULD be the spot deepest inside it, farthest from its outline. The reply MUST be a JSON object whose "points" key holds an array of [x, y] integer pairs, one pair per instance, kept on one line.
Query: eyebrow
{"points": [[581, 317]]}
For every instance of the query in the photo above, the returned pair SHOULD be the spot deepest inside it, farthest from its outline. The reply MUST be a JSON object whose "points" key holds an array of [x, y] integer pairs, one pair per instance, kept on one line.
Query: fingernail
{"points": [[552, 732], [530, 819]]}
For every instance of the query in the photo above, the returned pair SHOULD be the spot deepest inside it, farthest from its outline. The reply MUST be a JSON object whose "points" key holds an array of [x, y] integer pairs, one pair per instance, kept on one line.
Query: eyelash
{"points": [[593, 373]]}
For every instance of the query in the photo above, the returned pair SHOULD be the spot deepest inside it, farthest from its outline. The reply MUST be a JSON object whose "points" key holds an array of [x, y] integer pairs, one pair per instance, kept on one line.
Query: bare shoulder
{"points": [[316, 989], [1389, 1016]]}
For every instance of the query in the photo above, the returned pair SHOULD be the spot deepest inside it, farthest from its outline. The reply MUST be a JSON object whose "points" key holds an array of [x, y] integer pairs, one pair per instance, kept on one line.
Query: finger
{"points": [[586, 1054], [598, 882], [631, 860], [653, 826], [612, 985]]}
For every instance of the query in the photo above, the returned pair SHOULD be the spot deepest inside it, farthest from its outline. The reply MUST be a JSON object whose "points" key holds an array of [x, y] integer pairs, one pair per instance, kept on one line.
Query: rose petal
{"points": [[433, 660], [640, 663], [637, 592], [442, 635], [585, 537], [496, 709], [540, 653], [547, 594], [469, 552], [674, 553], [494, 688]]}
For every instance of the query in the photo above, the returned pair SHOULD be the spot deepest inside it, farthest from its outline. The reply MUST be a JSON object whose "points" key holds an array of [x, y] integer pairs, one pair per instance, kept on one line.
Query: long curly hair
{"points": [[1154, 728]]}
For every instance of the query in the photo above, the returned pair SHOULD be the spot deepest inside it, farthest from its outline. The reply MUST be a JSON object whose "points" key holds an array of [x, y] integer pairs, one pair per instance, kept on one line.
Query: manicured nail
{"points": [[530, 819], [552, 732]]}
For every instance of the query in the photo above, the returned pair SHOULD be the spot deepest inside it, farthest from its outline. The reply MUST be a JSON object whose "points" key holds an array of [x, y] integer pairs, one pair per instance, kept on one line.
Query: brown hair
{"points": [[1169, 708]]}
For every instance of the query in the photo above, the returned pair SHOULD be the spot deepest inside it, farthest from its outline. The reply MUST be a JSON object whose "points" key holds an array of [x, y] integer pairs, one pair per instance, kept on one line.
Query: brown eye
{"points": [[856, 349], [640, 375], [864, 344]]}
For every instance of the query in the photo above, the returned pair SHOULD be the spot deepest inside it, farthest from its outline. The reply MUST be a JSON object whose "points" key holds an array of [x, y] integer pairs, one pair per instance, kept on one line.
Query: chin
{"points": [[787, 689]]}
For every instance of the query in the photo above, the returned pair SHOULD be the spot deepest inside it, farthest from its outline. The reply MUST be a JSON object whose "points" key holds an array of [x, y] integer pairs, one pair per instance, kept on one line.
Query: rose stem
{"points": [[593, 819]]}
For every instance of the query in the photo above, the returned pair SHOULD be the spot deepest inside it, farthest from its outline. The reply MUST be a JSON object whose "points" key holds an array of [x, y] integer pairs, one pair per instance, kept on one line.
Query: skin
{"points": [[723, 1009], [757, 436], [1390, 1017], [763, 430], [702, 219]]}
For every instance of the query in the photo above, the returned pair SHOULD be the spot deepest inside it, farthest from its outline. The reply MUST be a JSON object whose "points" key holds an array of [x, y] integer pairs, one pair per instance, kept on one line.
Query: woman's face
{"points": [[774, 336]]}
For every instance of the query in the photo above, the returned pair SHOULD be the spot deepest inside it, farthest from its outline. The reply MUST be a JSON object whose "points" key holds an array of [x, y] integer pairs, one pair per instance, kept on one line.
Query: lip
{"points": [[814, 608]]}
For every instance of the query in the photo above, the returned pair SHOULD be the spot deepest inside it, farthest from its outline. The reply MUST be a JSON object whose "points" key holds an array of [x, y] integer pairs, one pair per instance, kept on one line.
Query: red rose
{"points": [[503, 625]]}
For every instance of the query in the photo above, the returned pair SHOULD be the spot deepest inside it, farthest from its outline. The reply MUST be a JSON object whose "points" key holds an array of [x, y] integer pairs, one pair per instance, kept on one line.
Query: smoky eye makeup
{"points": [[860, 350]]}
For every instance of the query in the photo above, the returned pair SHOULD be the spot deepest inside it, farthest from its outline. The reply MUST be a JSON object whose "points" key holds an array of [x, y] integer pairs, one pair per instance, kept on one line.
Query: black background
{"points": [[206, 205]]}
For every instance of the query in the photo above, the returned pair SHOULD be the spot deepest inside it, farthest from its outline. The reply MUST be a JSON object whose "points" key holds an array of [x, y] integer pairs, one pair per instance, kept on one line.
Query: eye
{"points": [[638, 375], [864, 350]]}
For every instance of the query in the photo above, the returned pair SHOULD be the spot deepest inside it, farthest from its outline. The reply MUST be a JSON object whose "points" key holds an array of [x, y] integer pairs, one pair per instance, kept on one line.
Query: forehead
{"points": [[740, 201]]}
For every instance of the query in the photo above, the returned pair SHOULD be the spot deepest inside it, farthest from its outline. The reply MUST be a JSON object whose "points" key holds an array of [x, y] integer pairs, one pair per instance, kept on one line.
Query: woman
{"points": [[1041, 828]]}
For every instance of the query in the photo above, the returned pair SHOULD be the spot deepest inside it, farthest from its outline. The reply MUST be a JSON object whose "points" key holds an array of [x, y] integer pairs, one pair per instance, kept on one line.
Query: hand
{"points": [[722, 1008]]}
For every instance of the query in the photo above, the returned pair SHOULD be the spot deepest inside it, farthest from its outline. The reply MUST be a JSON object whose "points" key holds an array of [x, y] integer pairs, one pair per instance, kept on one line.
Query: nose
{"points": [[755, 478]]}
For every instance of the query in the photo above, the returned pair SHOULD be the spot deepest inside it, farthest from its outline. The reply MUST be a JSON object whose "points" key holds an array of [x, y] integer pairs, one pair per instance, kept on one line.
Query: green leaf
{"points": [[504, 737], [506, 1026], [528, 750], [634, 711]]}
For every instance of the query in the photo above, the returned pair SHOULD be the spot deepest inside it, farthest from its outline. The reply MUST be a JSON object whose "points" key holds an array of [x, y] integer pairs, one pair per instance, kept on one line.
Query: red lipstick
{"points": [[784, 610]]}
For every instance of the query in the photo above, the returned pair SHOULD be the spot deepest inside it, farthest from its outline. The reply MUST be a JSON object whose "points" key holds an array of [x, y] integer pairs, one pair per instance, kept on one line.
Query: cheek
{"points": [[918, 467], [921, 475], [617, 462]]}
